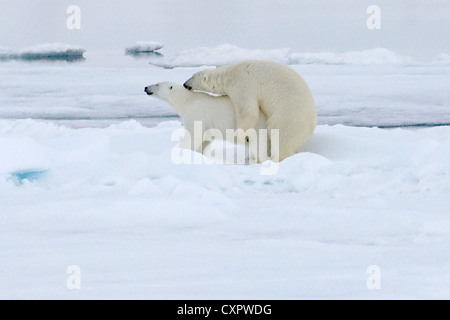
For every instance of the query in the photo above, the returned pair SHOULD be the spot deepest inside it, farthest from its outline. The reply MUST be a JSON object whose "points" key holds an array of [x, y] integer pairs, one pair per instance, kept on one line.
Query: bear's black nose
{"points": [[148, 91], [187, 86]]}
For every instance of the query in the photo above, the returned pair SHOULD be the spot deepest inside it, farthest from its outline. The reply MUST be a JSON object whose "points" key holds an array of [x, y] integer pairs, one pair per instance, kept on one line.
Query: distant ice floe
{"points": [[226, 54], [145, 49], [49, 51], [221, 55]]}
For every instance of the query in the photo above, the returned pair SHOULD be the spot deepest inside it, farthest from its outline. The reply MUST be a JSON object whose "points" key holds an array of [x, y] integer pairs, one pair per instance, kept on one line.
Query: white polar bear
{"points": [[214, 113], [266, 86]]}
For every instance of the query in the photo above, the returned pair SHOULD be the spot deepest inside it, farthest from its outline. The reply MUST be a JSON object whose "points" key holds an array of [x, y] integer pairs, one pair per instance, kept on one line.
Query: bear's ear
{"points": [[205, 78]]}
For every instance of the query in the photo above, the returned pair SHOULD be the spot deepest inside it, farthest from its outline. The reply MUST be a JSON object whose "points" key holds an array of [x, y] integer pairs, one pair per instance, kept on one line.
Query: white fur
{"points": [[214, 112], [275, 89]]}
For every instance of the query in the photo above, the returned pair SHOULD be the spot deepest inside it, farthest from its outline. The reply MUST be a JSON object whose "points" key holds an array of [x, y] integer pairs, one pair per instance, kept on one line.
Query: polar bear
{"points": [[269, 87], [213, 113]]}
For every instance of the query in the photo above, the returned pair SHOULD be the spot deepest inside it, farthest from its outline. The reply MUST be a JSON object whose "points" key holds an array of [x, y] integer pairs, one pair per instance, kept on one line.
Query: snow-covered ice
{"points": [[112, 202], [90, 182]]}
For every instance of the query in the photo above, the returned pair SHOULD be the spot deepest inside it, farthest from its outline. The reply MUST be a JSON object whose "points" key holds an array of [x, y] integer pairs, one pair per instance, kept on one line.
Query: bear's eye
{"points": [[171, 87]]}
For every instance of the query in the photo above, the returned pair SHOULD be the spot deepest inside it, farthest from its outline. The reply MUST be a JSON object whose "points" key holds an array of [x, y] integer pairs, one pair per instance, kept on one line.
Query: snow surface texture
{"points": [[112, 203]]}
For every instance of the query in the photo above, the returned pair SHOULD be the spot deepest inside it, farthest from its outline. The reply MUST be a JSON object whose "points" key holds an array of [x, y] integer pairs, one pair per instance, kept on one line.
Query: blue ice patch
{"points": [[19, 177]]}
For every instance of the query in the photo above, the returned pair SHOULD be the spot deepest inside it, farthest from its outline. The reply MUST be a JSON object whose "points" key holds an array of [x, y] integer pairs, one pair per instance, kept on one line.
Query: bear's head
{"points": [[163, 90], [205, 80]]}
